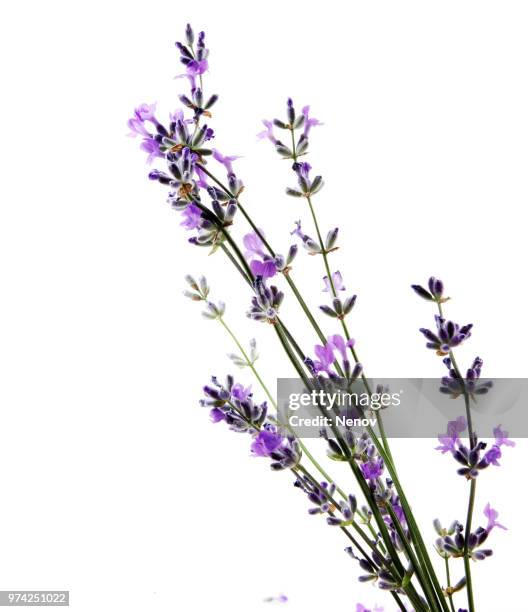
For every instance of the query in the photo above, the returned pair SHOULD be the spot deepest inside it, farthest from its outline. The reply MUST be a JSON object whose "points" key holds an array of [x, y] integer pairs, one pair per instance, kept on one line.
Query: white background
{"points": [[114, 483]]}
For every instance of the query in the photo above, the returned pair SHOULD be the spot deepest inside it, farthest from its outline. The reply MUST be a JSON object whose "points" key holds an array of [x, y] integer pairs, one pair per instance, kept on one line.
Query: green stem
{"points": [[448, 579], [473, 486], [467, 568], [384, 450]]}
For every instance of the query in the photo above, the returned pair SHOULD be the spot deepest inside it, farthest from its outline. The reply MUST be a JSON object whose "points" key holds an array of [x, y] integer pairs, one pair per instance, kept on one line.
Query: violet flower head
{"points": [[260, 263], [501, 437], [372, 469], [144, 112], [233, 403], [192, 217], [152, 148], [195, 61], [254, 245], [266, 441], [455, 386], [225, 160], [265, 269], [266, 302], [268, 132], [450, 440], [325, 358], [283, 450], [448, 335], [492, 516], [334, 350], [307, 186], [309, 122]]}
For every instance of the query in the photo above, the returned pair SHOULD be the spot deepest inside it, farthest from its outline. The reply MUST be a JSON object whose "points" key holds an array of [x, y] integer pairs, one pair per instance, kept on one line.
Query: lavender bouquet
{"points": [[372, 511]]}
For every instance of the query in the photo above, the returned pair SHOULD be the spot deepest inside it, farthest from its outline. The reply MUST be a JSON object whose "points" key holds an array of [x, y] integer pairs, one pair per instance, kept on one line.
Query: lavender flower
{"points": [[319, 494], [372, 469], [266, 302], [335, 350], [448, 335], [268, 132], [309, 122], [264, 266], [225, 160], [451, 439], [492, 516], [192, 217], [232, 403], [307, 187], [501, 439], [388, 516], [283, 450], [195, 62], [455, 386]]}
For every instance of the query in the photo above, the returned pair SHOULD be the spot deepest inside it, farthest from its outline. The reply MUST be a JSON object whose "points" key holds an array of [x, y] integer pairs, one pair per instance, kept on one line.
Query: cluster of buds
{"points": [[452, 543], [307, 186], [265, 303], [198, 104], [435, 293], [195, 61], [448, 335], [235, 188], [199, 293], [454, 385], [292, 124], [232, 403], [320, 494], [473, 459], [376, 570], [182, 138]]}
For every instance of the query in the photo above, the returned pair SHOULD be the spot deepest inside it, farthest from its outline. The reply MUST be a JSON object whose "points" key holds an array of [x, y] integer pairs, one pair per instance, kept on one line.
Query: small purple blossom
{"points": [[309, 122], [501, 437], [151, 146], [283, 450], [492, 516], [372, 469], [268, 132], [225, 160], [449, 441], [325, 358], [216, 415], [337, 281], [267, 441], [265, 269], [493, 455], [254, 245], [241, 393], [192, 217]]}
